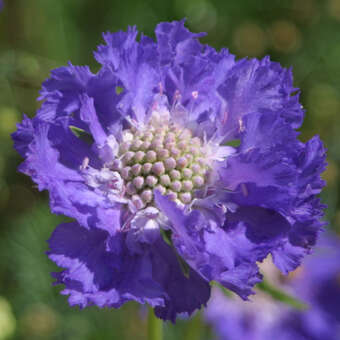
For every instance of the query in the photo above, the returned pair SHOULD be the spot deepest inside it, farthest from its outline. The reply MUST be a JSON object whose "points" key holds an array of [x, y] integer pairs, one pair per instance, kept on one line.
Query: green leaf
{"points": [[184, 266], [234, 143], [82, 134], [119, 89], [166, 235], [155, 326], [274, 292], [280, 295], [228, 293]]}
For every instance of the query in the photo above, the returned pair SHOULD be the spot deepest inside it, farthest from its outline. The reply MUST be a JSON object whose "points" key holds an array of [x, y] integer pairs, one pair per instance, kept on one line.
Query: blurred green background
{"points": [[38, 35]]}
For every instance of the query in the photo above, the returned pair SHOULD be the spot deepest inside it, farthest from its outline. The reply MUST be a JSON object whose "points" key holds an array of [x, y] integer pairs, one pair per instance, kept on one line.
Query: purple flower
{"points": [[232, 319], [138, 155], [317, 283]]}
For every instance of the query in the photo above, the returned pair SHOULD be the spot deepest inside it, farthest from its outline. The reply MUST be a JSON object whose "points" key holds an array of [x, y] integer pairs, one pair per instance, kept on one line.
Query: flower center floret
{"points": [[161, 155]]}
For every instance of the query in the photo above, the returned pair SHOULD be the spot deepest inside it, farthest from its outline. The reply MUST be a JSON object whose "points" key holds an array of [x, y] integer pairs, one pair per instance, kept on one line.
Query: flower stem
{"points": [[155, 326]]}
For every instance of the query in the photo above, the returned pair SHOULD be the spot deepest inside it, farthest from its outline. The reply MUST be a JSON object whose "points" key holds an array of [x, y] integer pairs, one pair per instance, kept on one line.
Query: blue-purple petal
{"points": [[99, 269], [212, 252]]}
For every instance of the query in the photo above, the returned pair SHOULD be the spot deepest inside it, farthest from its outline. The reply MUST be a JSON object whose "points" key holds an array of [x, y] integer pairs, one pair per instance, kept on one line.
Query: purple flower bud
{"points": [[151, 181], [151, 156], [126, 172], [187, 173], [128, 156], [161, 189], [165, 180], [181, 162], [176, 186], [158, 168], [175, 152], [138, 202], [138, 182], [130, 188], [147, 196], [163, 153], [198, 181], [175, 174], [170, 163], [147, 168], [139, 156], [187, 185], [136, 169], [172, 195], [185, 197]]}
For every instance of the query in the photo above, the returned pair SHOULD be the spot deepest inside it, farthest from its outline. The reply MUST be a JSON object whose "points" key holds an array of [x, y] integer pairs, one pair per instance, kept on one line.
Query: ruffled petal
{"points": [[63, 91], [191, 74], [88, 115], [316, 283], [274, 170], [100, 270], [176, 42], [23, 136], [135, 65], [254, 85], [42, 161], [212, 252], [94, 275], [185, 294], [69, 194]]}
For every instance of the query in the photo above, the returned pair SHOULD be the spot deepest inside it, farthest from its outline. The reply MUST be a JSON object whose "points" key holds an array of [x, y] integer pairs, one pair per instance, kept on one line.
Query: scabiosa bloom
{"points": [[232, 319], [162, 205], [317, 283]]}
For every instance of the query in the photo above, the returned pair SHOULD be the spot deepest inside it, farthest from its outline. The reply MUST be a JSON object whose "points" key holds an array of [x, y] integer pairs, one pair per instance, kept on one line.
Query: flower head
{"points": [[316, 283], [138, 155]]}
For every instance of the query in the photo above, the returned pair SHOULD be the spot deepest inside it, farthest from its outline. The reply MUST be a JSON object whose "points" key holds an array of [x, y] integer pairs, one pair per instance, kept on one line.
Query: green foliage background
{"points": [[38, 35]]}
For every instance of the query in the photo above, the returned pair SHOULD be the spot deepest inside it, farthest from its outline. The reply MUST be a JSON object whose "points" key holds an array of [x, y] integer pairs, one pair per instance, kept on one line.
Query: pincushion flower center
{"points": [[161, 155]]}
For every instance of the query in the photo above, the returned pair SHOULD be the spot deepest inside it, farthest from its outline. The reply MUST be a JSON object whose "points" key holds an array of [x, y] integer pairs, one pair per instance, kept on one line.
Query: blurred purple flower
{"points": [[317, 284], [159, 117]]}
